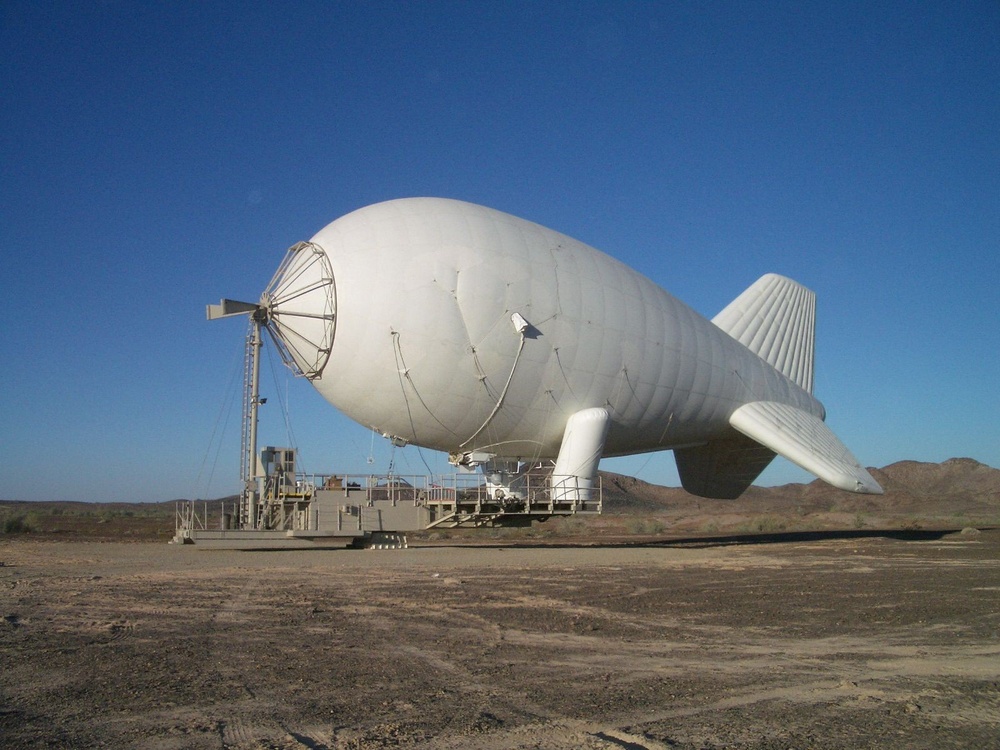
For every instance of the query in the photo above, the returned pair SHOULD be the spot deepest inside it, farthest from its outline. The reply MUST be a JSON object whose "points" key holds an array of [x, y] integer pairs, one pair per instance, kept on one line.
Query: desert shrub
{"points": [[16, 525], [571, 526], [537, 532], [644, 526], [769, 524], [634, 525]]}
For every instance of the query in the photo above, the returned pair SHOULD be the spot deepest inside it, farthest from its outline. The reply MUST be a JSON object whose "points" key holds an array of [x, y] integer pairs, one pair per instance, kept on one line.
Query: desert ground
{"points": [[856, 638]]}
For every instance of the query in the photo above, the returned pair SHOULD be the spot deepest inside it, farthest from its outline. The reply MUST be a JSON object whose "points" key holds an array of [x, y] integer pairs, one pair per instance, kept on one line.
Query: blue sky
{"points": [[159, 156]]}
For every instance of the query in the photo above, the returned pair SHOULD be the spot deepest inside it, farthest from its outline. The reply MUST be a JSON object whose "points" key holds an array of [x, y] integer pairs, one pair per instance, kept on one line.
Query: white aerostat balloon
{"points": [[467, 330]]}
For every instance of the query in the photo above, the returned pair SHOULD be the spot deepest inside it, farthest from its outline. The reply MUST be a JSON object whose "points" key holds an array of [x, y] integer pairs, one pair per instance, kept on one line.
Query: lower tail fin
{"points": [[722, 469]]}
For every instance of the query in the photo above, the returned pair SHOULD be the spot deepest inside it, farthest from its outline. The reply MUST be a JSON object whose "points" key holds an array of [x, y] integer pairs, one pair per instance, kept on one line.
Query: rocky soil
{"points": [[856, 638]]}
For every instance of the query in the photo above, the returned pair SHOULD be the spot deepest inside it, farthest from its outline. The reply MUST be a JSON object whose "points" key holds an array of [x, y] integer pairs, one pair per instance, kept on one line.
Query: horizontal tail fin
{"points": [[775, 319], [806, 441]]}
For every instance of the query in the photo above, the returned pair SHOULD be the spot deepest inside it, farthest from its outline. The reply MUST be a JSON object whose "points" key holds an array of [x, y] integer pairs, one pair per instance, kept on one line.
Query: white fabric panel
{"points": [[806, 441]]}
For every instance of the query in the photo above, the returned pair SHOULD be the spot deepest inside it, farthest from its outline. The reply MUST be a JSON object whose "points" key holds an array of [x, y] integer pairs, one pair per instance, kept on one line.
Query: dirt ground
{"points": [[825, 640]]}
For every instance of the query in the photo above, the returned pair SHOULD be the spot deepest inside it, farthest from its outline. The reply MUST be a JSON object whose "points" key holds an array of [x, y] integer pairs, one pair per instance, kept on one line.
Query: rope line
{"points": [[503, 394]]}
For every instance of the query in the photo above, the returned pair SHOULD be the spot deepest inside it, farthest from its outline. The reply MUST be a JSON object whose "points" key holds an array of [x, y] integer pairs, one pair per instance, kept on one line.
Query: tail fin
{"points": [[775, 319], [722, 469], [725, 467], [803, 439]]}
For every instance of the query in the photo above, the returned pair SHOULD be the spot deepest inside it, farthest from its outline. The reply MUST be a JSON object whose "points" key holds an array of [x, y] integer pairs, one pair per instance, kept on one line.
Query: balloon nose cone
{"points": [[301, 309]]}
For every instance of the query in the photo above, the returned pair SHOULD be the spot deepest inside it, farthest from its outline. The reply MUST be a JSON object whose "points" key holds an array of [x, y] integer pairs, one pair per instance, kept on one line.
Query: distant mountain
{"points": [[956, 486]]}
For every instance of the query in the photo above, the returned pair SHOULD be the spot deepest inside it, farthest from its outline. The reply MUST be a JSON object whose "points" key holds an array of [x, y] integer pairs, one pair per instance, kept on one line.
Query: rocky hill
{"points": [[957, 488]]}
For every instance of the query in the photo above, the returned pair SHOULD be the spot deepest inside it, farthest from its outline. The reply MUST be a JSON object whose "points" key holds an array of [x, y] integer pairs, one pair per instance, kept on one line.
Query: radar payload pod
{"points": [[463, 329]]}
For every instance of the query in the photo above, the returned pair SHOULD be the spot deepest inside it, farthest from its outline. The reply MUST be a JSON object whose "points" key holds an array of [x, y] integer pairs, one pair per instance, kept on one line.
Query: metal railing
{"points": [[531, 492], [467, 498]]}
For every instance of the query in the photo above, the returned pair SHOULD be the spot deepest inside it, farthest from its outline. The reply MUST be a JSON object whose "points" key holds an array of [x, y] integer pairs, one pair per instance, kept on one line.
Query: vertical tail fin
{"points": [[775, 318]]}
